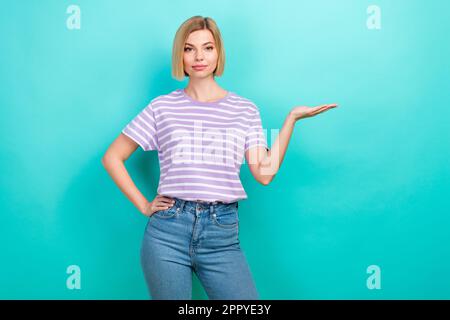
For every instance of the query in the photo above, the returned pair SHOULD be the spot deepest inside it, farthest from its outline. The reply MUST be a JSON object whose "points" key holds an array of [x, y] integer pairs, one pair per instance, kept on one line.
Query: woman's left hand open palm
{"points": [[306, 112]]}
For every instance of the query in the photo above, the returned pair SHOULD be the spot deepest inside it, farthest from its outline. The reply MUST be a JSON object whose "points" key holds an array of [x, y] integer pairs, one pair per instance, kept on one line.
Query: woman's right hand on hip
{"points": [[159, 203]]}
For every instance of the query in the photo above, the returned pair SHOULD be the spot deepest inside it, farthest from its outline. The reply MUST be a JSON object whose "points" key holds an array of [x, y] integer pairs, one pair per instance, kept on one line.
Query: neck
{"points": [[204, 89]]}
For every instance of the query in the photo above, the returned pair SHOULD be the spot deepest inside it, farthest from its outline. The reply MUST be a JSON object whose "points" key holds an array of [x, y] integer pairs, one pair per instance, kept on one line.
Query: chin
{"points": [[200, 75]]}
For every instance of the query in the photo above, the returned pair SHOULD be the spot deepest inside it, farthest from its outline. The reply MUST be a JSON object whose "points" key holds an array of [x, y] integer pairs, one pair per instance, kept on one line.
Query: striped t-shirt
{"points": [[201, 145]]}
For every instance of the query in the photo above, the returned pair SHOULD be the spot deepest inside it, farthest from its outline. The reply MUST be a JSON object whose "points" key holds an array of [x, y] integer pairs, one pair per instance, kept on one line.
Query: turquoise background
{"points": [[364, 184]]}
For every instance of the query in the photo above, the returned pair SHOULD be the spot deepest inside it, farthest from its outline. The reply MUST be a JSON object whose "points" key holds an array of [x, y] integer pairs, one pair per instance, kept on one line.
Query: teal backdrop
{"points": [[363, 187]]}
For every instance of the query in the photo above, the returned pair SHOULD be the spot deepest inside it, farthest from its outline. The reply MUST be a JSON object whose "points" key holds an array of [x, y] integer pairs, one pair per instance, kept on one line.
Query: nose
{"points": [[199, 57]]}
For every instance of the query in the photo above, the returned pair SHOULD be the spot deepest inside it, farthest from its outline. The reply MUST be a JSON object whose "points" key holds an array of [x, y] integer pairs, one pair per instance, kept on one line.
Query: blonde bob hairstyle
{"points": [[193, 24]]}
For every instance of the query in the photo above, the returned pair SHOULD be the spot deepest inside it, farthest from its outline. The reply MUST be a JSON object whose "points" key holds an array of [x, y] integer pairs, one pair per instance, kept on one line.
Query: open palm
{"points": [[306, 112]]}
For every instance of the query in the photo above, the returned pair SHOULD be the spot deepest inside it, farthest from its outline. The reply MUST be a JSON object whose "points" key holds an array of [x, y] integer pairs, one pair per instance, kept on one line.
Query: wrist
{"points": [[143, 209], [291, 117]]}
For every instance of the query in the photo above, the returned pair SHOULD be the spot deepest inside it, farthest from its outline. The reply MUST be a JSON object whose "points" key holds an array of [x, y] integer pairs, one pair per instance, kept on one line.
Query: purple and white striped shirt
{"points": [[201, 145]]}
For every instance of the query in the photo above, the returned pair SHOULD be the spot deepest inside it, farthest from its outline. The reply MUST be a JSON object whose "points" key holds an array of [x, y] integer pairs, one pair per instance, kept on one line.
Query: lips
{"points": [[199, 67]]}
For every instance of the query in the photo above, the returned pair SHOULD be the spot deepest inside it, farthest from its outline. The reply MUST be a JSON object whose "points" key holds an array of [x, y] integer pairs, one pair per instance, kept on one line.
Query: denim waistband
{"points": [[210, 202], [204, 204]]}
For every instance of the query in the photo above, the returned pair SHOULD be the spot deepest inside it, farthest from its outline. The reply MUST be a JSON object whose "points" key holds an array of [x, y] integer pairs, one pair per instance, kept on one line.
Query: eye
{"points": [[209, 47]]}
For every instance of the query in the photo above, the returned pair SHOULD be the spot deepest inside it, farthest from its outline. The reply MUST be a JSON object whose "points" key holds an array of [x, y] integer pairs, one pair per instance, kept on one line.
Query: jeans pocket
{"points": [[226, 217], [166, 214]]}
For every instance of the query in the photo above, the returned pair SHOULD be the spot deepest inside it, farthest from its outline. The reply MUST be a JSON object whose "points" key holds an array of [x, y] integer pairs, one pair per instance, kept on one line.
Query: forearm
{"points": [[271, 162], [116, 169]]}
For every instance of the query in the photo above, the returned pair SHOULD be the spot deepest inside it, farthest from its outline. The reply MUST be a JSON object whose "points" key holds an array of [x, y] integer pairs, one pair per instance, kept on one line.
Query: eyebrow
{"points": [[202, 44]]}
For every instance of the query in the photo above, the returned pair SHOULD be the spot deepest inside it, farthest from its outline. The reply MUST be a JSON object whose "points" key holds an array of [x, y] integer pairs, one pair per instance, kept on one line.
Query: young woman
{"points": [[201, 133]]}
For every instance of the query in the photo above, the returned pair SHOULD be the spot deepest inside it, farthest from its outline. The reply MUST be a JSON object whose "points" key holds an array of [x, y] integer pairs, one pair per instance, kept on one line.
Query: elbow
{"points": [[110, 158], [106, 159], [266, 180]]}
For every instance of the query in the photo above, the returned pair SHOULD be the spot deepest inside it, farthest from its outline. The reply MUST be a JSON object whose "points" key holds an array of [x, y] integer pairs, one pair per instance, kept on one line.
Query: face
{"points": [[200, 50]]}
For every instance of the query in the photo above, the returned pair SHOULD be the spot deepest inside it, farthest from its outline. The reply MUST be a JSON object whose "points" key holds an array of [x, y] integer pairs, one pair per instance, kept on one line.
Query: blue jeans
{"points": [[192, 236]]}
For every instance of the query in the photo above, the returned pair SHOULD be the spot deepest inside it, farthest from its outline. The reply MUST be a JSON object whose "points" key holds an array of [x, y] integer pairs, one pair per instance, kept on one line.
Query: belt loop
{"points": [[182, 202], [211, 208]]}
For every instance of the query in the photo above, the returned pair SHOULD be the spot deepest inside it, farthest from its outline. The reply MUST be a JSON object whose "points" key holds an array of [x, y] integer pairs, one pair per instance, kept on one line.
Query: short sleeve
{"points": [[255, 134], [142, 129]]}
